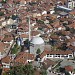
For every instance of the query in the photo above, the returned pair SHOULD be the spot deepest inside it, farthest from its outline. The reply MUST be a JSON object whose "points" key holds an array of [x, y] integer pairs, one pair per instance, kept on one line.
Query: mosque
{"points": [[37, 43]]}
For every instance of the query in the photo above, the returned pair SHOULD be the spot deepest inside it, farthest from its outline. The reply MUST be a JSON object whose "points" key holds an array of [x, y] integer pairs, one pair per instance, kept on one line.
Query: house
{"points": [[22, 29], [35, 27], [48, 64], [2, 18], [71, 41], [70, 69], [72, 14], [35, 33], [4, 49], [57, 26], [23, 58], [56, 54], [24, 36], [8, 39], [6, 61], [5, 70], [1, 37]]}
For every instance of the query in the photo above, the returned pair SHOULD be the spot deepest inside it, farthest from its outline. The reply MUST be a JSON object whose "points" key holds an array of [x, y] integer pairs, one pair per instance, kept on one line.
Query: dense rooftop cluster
{"points": [[52, 22]]}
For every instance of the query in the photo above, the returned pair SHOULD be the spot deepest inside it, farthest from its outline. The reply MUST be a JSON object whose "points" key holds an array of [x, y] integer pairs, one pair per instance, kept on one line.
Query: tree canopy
{"points": [[22, 70], [38, 51], [43, 72]]}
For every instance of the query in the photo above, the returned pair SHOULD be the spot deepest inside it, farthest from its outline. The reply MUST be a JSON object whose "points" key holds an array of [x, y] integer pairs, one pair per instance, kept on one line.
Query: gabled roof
{"points": [[22, 57], [6, 60], [47, 63], [8, 39], [24, 35], [45, 52], [3, 47]]}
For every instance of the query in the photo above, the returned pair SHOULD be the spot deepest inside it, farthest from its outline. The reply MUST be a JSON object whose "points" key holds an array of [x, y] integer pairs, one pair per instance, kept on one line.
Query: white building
{"points": [[36, 43], [71, 4], [56, 54]]}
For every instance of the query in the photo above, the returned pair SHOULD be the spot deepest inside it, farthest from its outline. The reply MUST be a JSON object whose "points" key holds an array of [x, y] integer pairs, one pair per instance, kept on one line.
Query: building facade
{"points": [[71, 4], [56, 54]]}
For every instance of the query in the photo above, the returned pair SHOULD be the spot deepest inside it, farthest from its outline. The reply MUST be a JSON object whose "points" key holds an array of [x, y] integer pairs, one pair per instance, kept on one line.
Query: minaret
{"points": [[29, 30], [29, 34]]}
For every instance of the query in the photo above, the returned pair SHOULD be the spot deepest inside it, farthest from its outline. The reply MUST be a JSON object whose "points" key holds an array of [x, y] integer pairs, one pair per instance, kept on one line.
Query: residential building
{"points": [[6, 61], [23, 58], [4, 49]]}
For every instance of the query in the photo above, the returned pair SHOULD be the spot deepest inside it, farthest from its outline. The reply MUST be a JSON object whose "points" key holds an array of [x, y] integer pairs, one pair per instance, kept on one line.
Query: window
{"points": [[58, 55], [66, 56], [62, 55], [47, 55], [54, 55], [70, 55]]}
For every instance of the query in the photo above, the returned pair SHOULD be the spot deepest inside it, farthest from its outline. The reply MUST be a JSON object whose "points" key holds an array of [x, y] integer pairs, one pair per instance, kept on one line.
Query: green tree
{"points": [[5, 73], [72, 30], [1, 13], [40, 21], [22, 70], [4, 1], [38, 51], [64, 71], [43, 72]]}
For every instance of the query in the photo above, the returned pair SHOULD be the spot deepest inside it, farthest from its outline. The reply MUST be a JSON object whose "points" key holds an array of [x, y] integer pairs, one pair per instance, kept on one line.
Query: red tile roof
{"points": [[69, 68], [55, 52], [3, 46], [24, 35], [6, 69], [22, 57], [6, 59]]}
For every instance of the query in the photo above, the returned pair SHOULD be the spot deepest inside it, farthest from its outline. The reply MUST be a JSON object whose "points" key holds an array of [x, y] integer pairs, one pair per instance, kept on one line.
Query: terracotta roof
{"points": [[22, 57], [72, 25], [60, 52], [47, 63], [6, 59], [1, 37], [55, 52], [54, 37], [24, 35], [72, 48], [72, 12], [69, 68], [8, 39], [6, 69], [35, 33], [3, 46], [44, 53], [71, 40]]}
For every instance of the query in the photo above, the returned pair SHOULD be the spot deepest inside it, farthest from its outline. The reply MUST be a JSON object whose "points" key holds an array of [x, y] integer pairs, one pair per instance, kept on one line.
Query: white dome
{"points": [[37, 40]]}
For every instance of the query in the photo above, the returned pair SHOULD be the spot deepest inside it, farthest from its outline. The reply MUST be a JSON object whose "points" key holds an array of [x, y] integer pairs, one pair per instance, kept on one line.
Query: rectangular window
{"points": [[47, 55], [70, 55], [58, 55]]}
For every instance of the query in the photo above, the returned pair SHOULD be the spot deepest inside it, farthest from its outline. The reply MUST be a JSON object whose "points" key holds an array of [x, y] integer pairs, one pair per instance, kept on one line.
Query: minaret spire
{"points": [[29, 29]]}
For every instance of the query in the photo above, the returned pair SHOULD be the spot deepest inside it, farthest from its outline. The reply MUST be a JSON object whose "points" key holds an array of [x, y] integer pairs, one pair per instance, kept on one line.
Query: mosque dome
{"points": [[37, 40]]}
